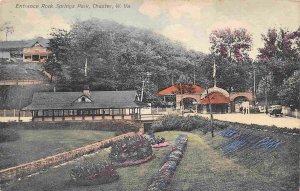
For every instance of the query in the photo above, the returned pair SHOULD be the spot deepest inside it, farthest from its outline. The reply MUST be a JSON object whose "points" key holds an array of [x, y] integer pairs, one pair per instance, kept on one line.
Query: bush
{"points": [[172, 122], [130, 149], [189, 123], [156, 140], [8, 134], [90, 172]]}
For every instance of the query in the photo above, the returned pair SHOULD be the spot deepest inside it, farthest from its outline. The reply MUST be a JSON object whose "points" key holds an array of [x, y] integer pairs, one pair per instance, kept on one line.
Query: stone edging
{"points": [[34, 166]]}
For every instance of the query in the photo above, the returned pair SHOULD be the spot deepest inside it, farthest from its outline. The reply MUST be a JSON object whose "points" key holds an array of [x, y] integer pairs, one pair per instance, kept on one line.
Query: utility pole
{"points": [[148, 75], [85, 67], [211, 115], [143, 86]]}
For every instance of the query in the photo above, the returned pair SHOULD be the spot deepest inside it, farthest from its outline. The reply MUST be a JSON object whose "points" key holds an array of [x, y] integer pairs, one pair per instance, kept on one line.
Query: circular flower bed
{"points": [[130, 151], [92, 173]]}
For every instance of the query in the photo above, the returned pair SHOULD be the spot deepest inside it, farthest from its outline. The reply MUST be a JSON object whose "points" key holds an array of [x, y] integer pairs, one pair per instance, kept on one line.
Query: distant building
{"points": [[36, 53], [35, 50], [4, 55], [86, 105]]}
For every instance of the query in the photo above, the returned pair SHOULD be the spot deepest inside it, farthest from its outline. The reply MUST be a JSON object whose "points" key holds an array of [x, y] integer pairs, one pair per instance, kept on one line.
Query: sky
{"points": [[187, 21]]}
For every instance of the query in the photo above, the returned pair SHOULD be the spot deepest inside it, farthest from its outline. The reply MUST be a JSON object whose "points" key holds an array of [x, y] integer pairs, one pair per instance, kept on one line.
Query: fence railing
{"points": [[14, 113], [21, 82], [31, 167]]}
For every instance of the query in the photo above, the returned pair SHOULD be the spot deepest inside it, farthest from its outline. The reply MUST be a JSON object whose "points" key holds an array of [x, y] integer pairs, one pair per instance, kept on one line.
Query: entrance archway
{"points": [[189, 104], [239, 103]]}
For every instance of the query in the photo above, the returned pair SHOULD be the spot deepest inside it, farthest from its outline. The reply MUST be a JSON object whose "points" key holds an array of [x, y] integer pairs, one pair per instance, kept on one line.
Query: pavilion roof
{"points": [[215, 98], [99, 99], [182, 88]]}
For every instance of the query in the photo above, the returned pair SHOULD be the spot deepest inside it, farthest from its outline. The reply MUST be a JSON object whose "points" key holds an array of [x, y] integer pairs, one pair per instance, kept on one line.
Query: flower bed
{"points": [[91, 173], [157, 142], [130, 150], [159, 145], [162, 178]]}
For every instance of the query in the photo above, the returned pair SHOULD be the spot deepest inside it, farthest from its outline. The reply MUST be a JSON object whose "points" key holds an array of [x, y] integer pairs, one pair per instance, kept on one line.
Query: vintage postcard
{"points": [[149, 95]]}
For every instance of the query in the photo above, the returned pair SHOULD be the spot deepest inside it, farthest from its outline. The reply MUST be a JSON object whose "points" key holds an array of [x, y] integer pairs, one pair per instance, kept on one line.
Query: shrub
{"points": [[130, 149], [91, 172], [156, 140], [189, 123], [8, 134]]}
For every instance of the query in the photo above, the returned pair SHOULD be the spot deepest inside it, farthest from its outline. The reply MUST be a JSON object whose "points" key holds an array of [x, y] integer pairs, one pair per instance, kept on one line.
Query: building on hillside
{"points": [[86, 105], [36, 53], [35, 50]]}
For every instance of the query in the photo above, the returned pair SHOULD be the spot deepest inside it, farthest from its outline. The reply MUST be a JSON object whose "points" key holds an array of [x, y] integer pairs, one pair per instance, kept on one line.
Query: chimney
{"points": [[86, 90]]}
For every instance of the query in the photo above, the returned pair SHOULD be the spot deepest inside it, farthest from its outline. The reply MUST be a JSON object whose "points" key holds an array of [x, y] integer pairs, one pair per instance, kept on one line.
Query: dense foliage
{"points": [[189, 123], [119, 57], [278, 66], [92, 172], [233, 44], [130, 149]]}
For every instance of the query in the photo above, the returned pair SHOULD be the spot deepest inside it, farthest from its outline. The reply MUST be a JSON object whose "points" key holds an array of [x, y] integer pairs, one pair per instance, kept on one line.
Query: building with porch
{"points": [[86, 105], [34, 50], [36, 53]]}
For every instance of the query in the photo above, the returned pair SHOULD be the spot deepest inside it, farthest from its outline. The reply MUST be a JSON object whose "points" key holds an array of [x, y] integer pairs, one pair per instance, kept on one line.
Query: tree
{"points": [[59, 46], [278, 60], [281, 44], [118, 57], [232, 44], [7, 28], [290, 90]]}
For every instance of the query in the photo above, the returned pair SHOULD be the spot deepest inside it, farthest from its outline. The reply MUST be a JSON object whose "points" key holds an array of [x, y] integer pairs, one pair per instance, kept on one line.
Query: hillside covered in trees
{"points": [[120, 57]]}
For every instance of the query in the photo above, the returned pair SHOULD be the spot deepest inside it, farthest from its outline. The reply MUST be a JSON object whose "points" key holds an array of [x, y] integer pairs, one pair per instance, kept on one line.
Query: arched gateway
{"points": [[220, 99]]}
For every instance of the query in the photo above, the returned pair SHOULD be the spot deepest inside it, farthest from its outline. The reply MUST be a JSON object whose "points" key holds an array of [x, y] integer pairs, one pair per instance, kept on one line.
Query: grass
{"points": [[36, 144], [203, 167], [131, 178]]}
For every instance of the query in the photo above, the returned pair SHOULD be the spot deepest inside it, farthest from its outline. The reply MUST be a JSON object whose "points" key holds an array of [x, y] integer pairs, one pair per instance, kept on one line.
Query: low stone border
{"points": [[132, 162], [31, 167]]}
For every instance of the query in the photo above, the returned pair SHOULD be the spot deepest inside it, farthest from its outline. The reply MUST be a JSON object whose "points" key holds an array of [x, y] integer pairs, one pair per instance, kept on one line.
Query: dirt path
{"points": [[259, 119]]}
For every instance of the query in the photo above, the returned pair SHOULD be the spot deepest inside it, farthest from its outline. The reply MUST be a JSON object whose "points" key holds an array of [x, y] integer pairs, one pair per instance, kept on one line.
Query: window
{"points": [[46, 112], [56, 113], [116, 111], [27, 57], [50, 112], [106, 112]]}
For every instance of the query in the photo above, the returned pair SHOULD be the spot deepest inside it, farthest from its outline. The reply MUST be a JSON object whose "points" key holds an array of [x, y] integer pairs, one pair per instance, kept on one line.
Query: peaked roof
{"points": [[65, 100], [23, 43], [215, 98], [183, 88]]}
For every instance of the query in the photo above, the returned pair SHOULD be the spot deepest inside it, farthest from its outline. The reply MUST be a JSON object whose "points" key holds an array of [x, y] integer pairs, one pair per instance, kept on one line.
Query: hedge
{"points": [[189, 123]]}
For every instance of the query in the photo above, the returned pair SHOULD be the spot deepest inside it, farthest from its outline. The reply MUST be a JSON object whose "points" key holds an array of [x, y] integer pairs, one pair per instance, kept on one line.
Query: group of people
{"points": [[244, 110]]}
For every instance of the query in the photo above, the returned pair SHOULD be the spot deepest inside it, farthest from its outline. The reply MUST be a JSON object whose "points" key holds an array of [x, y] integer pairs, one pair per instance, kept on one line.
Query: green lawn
{"points": [[203, 167], [36, 144]]}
